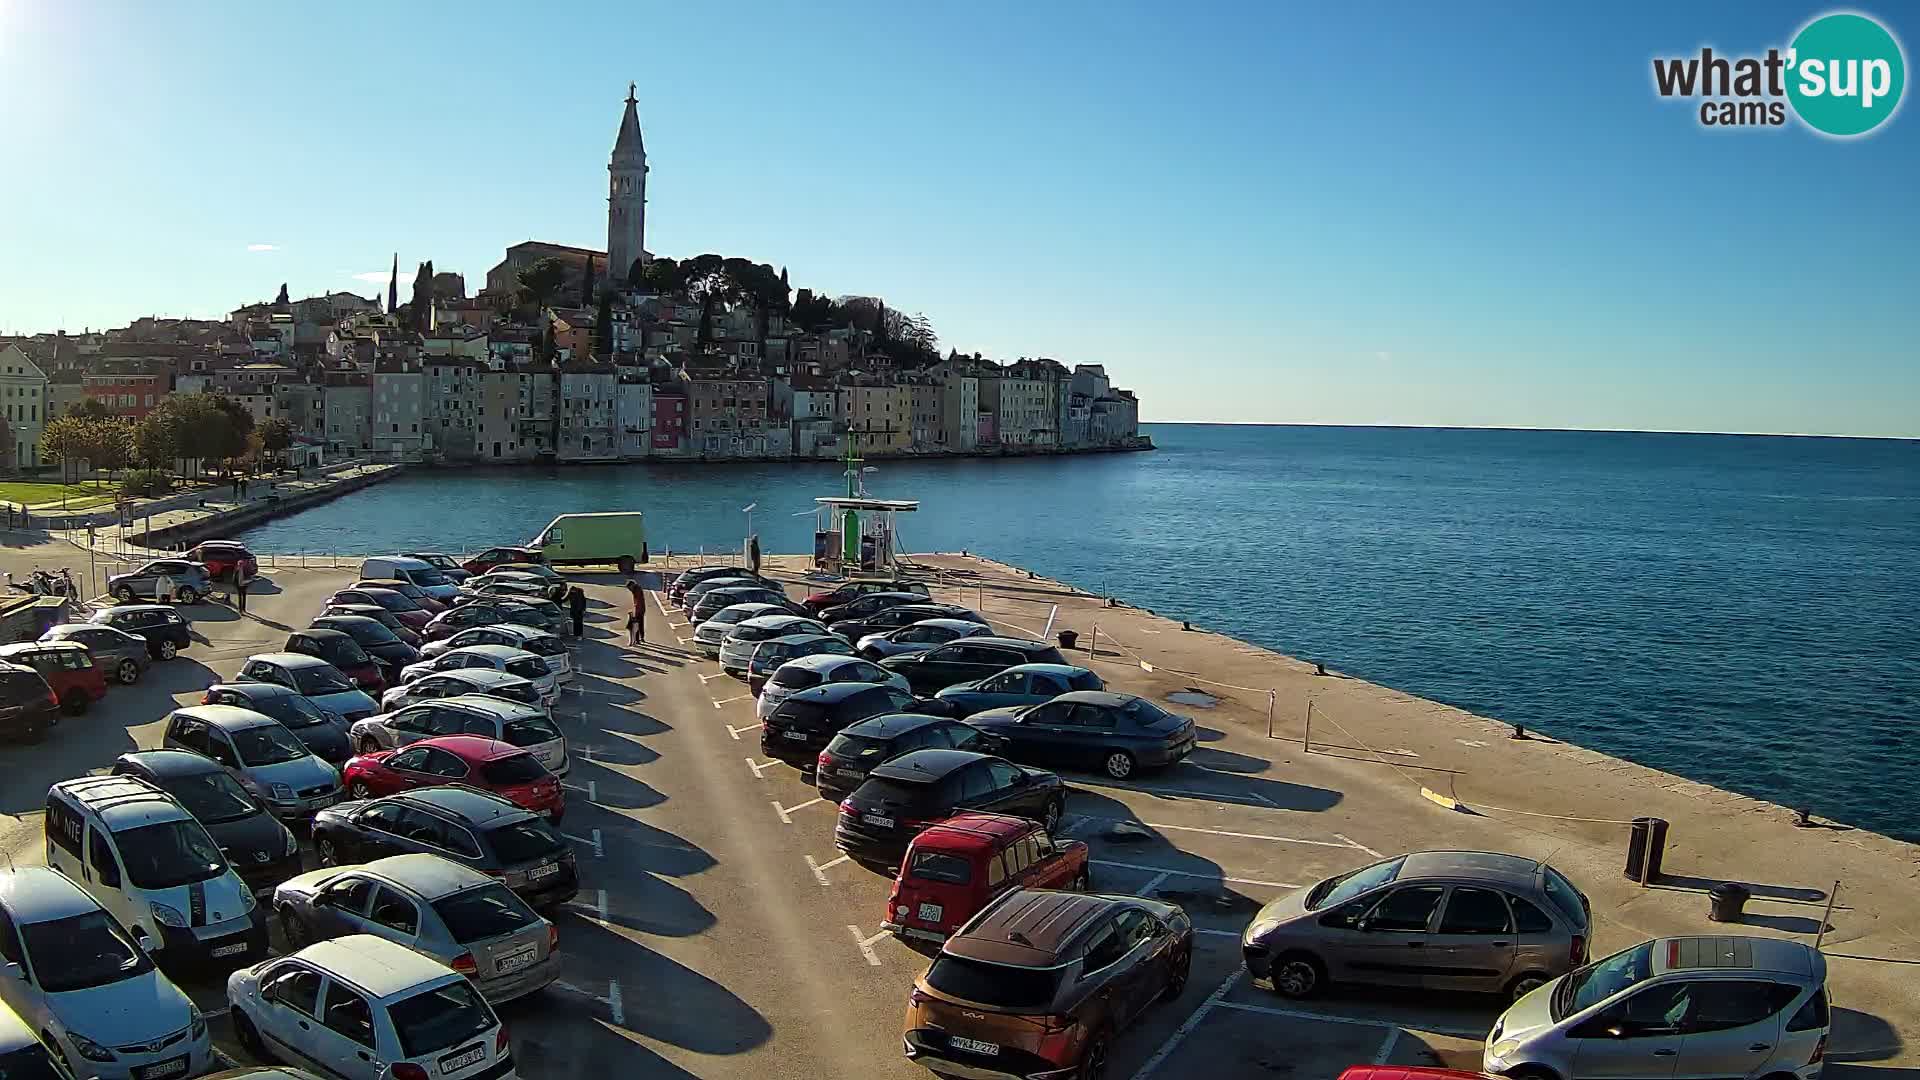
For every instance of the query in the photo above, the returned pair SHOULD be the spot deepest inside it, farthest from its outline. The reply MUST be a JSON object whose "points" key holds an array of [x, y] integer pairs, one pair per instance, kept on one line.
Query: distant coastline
{"points": [[1512, 427]]}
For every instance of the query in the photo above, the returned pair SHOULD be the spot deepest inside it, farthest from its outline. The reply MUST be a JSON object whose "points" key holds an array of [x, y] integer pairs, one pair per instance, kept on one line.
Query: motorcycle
{"points": [[47, 583]]}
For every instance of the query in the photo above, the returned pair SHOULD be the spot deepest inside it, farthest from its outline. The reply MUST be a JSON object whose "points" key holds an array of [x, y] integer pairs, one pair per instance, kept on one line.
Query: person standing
{"points": [[240, 583], [577, 606], [637, 622]]}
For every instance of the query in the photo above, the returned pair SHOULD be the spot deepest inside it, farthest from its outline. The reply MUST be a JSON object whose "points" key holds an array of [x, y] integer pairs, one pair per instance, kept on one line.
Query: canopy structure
{"points": [[855, 533]]}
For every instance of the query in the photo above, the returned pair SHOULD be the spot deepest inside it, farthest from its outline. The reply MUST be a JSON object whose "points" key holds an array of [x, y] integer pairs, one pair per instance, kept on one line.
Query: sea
{"points": [[1739, 610]]}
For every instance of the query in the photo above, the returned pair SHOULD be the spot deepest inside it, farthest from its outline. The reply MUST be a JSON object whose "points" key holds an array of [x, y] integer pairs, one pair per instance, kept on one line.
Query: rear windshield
{"points": [[1000, 985], [940, 866], [1048, 655], [853, 746], [427, 576], [320, 680], [803, 713], [523, 692], [795, 678], [21, 687], [545, 645], [343, 652], [440, 1019], [486, 912], [896, 793], [1086, 680], [517, 769], [1566, 898], [527, 667], [368, 633], [393, 601], [530, 732], [523, 841], [1352, 883]]}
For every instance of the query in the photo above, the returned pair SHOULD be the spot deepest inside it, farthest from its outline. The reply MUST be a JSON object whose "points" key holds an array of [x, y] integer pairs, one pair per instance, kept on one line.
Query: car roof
{"points": [[66, 628], [500, 652], [327, 631], [924, 766], [810, 635], [473, 804], [975, 832], [405, 561], [172, 763], [252, 690], [1729, 952], [1028, 927], [755, 606], [122, 609], [945, 624], [831, 692], [376, 966], [524, 632], [365, 607], [826, 660], [472, 747], [890, 725], [479, 676], [725, 591], [1489, 866], [871, 595], [290, 659], [763, 622], [357, 587], [428, 875], [499, 708], [40, 646], [226, 717], [34, 894], [344, 618], [1022, 644], [123, 802], [1103, 698]]}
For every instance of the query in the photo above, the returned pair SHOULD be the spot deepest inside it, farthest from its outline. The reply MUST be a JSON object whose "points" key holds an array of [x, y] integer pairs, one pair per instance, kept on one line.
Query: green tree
{"points": [[420, 308], [112, 444], [63, 441], [586, 284], [156, 439], [89, 409], [603, 327], [662, 275], [276, 434], [281, 301], [542, 281]]}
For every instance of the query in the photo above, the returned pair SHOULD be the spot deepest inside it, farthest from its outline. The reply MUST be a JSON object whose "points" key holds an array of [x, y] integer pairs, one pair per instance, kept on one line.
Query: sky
{"points": [[1249, 212]]}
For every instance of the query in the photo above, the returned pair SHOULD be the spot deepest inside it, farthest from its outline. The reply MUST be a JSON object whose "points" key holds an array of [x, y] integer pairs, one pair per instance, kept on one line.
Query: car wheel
{"points": [[1177, 982], [1298, 975], [184, 596], [1084, 883], [626, 564], [368, 744], [1093, 1059], [1050, 816], [1523, 985], [128, 672], [359, 790], [73, 703], [250, 1040], [124, 594], [168, 650], [1118, 764], [323, 847], [298, 937]]}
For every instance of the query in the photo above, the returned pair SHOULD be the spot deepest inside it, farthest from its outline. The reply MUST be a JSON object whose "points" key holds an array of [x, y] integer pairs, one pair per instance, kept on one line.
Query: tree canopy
{"points": [[542, 281]]}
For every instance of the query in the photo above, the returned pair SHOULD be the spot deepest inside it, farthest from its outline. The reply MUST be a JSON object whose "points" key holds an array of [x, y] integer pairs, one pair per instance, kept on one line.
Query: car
{"points": [[376, 638], [739, 578], [481, 612], [822, 669], [844, 764], [378, 614], [364, 1008], [338, 648], [323, 731], [75, 974], [686, 579], [713, 600], [472, 827], [1724, 1006], [744, 640], [223, 557], [500, 588], [533, 569], [1481, 920], [402, 607], [161, 627], [474, 760], [480, 681], [68, 668], [868, 604], [321, 682], [434, 906], [419, 573], [1022, 684], [955, 869], [511, 581], [899, 615], [539, 614], [22, 1055], [549, 647], [1094, 730], [178, 580], [448, 566], [969, 659], [852, 590], [495, 556], [28, 706], [264, 756], [504, 658], [618, 537], [796, 730], [526, 726], [123, 655], [710, 635], [423, 599], [901, 797], [915, 636], [774, 653], [262, 850], [1041, 983]]}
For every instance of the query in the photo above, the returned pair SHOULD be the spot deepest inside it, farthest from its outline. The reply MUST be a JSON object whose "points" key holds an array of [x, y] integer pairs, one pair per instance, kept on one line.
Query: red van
{"points": [[68, 668], [952, 870]]}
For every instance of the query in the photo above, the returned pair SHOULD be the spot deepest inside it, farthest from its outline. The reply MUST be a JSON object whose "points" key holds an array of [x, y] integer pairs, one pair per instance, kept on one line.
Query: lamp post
{"points": [[747, 510]]}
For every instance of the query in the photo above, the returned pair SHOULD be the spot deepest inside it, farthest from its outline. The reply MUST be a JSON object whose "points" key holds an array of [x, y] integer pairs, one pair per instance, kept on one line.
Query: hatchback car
{"points": [[737, 650], [264, 756], [453, 913], [691, 595], [178, 580], [27, 704], [1720, 1006], [550, 648], [1025, 684], [1042, 983], [917, 636], [260, 849], [511, 722], [67, 667], [849, 591], [685, 580], [427, 601], [844, 764], [375, 637], [868, 604], [473, 760], [74, 973], [338, 648], [1452, 920], [714, 601], [378, 614], [774, 653], [472, 827], [465, 616], [1115, 734], [956, 868], [498, 556], [819, 670], [223, 557], [904, 796], [416, 572], [164, 631], [902, 615], [969, 659], [797, 729], [441, 561], [501, 586], [535, 569], [321, 682], [121, 654], [710, 635], [501, 658], [482, 681], [404, 609], [364, 1008], [322, 731]]}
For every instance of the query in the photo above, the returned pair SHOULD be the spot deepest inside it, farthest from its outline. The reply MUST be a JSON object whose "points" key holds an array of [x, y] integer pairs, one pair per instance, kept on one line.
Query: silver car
{"points": [[918, 637], [1440, 920], [259, 751], [505, 658], [474, 680], [548, 647], [525, 726], [1690, 1006], [742, 640], [710, 635], [774, 652], [121, 653], [819, 669], [179, 580], [456, 915]]}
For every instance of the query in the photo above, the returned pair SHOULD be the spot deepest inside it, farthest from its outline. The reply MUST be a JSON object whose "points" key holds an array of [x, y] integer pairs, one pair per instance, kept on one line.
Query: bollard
{"points": [[1726, 901], [1646, 844], [1068, 639]]}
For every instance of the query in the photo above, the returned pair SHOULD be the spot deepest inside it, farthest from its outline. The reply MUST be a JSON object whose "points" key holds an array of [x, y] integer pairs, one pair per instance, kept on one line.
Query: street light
{"points": [[748, 510]]}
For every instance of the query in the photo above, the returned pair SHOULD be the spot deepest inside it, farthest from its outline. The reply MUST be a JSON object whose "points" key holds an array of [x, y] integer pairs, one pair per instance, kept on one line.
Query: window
{"points": [[1731, 1003], [295, 988], [1004, 775], [395, 912], [347, 1013], [100, 858], [1528, 919], [414, 760], [975, 783], [1475, 911], [349, 895], [1406, 910], [1813, 1015], [63, 826], [1105, 948]]}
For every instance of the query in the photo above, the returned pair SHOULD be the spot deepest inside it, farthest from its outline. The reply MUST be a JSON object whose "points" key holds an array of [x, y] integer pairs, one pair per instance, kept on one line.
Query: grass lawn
{"points": [[31, 493]]}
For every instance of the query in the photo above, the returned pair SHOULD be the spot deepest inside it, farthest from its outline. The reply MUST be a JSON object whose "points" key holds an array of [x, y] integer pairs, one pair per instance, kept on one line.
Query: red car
{"points": [[68, 668], [223, 557], [473, 760], [954, 869], [409, 613], [500, 556]]}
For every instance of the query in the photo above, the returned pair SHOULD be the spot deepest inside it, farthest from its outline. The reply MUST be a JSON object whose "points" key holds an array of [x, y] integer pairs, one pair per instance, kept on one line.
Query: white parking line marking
{"points": [[1240, 835], [1216, 933], [715, 675], [1351, 842], [1381, 1055], [1211, 796], [783, 811], [1362, 1021], [735, 731], [1154, 883], [592, 789], [731, 700], [613, 1002], [598, 850], [866, 944], [820, 868], [1173, 1041], [759, 767], [600, 905], [1163, 872]]}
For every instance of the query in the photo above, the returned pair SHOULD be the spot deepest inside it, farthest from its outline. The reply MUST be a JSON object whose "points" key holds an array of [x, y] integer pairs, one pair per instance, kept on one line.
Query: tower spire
{"points": [[627, 195], [393, 286]]}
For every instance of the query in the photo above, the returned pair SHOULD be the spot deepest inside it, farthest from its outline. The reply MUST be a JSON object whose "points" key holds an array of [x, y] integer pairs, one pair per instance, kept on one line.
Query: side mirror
{"points": [[1363, 924], [16, 971], [141, 938], [1615, 1031]]}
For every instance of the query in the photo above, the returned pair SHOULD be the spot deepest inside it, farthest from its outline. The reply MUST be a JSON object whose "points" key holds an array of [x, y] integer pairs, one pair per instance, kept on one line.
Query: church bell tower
{"points": [[627, 195]]}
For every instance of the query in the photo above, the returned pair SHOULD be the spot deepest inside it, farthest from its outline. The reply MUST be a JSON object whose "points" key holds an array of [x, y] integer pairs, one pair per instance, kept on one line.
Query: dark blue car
{"points": [[1091, 730], [1027, 684]]}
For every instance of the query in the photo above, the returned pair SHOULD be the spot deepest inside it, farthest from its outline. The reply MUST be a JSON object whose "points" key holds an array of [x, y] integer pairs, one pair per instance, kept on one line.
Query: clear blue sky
{"points": [[1354, 213]]}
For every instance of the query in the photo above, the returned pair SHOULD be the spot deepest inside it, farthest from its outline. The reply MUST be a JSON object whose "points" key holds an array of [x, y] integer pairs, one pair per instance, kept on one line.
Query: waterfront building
{"points": [[811, 404], [399, 410], [1022, 406], [346, 406], [588, 390], [876, 412], [130, 395], [23, 390], [299, 404], [496, 424], [633, 415], [452, 405], [669, 434], [958, 430], [923, 411], [64, 391], [727, 411]]}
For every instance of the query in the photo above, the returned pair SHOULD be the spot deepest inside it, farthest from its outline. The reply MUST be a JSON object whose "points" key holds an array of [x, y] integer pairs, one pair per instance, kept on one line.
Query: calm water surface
{"points": [[1740, 610]]}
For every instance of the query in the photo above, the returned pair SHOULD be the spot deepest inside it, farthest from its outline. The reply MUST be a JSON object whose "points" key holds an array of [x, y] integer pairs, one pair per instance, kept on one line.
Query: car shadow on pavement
{"points": [[1174, 785], [661, 999], [568, 1044], [1126, 854], [1215, 760], [79, 745], [1859, 1037], [612, 791]]}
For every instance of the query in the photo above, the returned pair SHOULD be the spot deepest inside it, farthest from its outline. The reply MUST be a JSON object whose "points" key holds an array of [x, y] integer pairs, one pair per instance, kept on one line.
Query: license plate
{"points": [[974, 1046], [539, 872], [877, 821], [506, 965], [930, 912], [166, 1068], [325, 801], [800, 735], [460, 1061], [234, 949]]}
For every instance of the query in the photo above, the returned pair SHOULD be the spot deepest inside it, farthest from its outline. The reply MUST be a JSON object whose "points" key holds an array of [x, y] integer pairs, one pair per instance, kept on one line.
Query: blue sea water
{"points": [[1741, 610]]}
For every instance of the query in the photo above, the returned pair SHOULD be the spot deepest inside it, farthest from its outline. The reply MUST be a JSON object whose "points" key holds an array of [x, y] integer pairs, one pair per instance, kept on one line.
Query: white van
{"points": [[137, 852], [405, 568]]}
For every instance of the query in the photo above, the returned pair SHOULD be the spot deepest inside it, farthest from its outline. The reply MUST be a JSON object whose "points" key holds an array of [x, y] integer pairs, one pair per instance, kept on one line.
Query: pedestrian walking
{"points": [[577, 605], [637, 621], [240, 583]]}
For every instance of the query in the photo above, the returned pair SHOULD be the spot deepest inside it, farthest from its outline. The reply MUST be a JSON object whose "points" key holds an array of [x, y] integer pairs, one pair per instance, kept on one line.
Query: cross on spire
{"points": [[630, 98]]}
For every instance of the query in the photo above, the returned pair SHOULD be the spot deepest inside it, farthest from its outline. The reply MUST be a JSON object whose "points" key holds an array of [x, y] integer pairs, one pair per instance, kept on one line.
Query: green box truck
{"points": [[617, 537]]}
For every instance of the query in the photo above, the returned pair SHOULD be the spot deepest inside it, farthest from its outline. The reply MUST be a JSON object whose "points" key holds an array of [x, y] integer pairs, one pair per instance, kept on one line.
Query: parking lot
{"points": [[719, 933]]}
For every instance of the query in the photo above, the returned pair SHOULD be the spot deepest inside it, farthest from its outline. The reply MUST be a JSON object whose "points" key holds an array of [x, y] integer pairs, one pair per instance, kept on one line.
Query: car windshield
{"points": [[1340, 889], [268, 744], [80, 951], [544, 645], [523, 841], [291, 710], [343, 652], [1600, 980], [169, 854], [514, 769], [368, 633], [532, 731], [486, 912], [1000, 985], [320, 680], [213, 797], [795, 678], [393, 601], [437, 1019]]}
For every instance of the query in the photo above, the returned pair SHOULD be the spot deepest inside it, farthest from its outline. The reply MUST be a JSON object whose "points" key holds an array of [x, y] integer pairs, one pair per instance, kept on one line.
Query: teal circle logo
{"points": [[1846, 74]]}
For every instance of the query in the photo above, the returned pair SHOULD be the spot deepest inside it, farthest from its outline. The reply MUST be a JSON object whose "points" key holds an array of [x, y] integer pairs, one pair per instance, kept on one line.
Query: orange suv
{"points": [[1039, 984]]}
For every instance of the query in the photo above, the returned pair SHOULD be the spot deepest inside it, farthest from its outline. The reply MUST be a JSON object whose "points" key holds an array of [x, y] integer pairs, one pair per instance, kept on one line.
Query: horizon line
{"points": [[1524, 427]]}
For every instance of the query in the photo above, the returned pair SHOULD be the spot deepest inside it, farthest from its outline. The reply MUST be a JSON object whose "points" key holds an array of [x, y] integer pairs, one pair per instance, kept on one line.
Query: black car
{"points": [[805, 722], [899, 615], [336, 647], [967, 659], [1095, 730], [380, 615], [166, 633], [687, 579], [861, 607], [380, 642], [260, 849], [711, 602], [472, 827], [844, 764], [322, 732], [27, 705], [909, 793]]}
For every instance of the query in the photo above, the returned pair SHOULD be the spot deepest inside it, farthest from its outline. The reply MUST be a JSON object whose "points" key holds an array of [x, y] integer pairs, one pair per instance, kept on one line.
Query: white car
{"points": [[511, 722], [508, 658], [741, 642], [364, 1008], [475, 680], [807, 672], [918, 637], [81, 978], [710, 635], [540, 643]]}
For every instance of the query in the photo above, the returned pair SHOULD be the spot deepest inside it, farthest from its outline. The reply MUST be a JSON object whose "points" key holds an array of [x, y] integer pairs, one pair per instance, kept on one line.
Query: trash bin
{"points": [[1646, 844], [1728, 901], [1067, 638]]}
